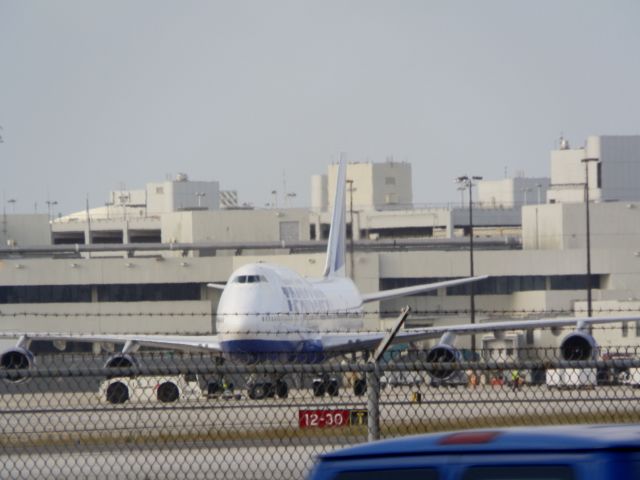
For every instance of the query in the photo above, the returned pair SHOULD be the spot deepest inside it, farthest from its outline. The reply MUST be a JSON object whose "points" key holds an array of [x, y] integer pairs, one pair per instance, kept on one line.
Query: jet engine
{"points": [[578, 345], [120, 360], [442, 353], [16, 358]]}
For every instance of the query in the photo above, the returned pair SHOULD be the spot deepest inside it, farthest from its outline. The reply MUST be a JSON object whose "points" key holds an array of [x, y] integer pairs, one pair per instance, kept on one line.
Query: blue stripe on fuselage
{"points": [[252, 351]]}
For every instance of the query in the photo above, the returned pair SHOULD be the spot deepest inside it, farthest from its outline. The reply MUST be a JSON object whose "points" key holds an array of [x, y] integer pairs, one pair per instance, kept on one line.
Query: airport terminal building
{"points": [[140, 263]]}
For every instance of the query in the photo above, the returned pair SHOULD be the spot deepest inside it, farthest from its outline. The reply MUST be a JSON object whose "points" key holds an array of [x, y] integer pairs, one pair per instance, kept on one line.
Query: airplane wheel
{"points": [[168, 392], [257, 391], [117, 392], [319, 388], [359, 387], [271, 390], [332, 388], [282, 389]]}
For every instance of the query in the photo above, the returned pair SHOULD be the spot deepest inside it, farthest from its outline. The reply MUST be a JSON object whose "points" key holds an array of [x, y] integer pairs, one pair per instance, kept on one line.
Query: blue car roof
{"points": [[557, 438]]}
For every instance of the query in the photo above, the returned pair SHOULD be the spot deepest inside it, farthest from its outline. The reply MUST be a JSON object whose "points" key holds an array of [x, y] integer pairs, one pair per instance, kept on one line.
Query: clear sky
{"points": [[95, 96]]}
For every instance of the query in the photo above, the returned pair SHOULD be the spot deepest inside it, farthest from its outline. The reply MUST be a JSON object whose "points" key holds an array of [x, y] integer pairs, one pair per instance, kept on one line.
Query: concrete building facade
{"points": [[164, 291]]}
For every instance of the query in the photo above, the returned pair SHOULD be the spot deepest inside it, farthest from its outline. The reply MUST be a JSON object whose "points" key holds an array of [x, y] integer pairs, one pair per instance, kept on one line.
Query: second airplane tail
{"points": [[336, 246]]}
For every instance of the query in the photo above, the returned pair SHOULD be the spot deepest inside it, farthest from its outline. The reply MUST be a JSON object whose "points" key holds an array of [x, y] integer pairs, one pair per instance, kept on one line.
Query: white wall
{"points": [[620, 157], [510, 192], [376, 185], [171, 196], [232, 225], [24, 229], [563, 226]]}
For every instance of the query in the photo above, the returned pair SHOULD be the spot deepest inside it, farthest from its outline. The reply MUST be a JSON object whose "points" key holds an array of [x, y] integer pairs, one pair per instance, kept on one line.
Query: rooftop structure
{"points": [[377, 186], [511, 192], [24, 229], [613, 171]]}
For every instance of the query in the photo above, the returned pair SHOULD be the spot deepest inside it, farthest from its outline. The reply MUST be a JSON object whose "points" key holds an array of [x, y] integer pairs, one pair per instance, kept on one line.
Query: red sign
{"points": [[323, 418], [331, 418]]}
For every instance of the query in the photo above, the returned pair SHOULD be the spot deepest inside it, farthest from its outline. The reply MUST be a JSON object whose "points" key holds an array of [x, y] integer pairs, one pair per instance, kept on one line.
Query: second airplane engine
{"points": [[442, 353], [16, 358], [578, 345], [120, 360]]}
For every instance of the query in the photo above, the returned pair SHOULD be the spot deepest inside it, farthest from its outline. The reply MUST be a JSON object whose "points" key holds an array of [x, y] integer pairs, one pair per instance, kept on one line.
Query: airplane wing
{"points": [[427, 287], [191, 343], [331, 342], [347, 342]]}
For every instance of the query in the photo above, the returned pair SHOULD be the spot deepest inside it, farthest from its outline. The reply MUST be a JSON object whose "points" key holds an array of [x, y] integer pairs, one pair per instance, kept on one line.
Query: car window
{"points": [[520, 472], [390, 474]]}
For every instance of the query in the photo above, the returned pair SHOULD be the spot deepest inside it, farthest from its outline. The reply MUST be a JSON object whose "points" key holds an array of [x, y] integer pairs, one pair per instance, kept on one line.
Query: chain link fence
{"points": [[194, 416]]}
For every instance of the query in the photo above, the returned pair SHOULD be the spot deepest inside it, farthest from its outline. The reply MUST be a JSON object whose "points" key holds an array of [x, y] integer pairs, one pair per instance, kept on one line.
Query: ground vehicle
{"points": [[166, 389], [603, 452]]}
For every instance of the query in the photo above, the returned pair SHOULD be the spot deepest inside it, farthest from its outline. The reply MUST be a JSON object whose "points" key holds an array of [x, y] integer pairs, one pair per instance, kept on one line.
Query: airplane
{"points": [[268, 312]]}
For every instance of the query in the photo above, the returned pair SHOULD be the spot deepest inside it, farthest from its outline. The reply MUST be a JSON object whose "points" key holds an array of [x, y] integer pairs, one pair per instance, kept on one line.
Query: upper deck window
{"points": [[249, 279]]}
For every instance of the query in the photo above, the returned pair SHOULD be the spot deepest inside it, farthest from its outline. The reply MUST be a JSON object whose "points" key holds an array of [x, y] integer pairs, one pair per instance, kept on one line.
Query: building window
{"points": [[504, 285], [45, 294], [159, 190], [390, 283], [148, 292], [390, 180], [573, 282]]}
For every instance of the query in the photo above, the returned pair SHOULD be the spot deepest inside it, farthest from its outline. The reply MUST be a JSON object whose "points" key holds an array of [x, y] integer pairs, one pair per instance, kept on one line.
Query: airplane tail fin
{"points": [[336, 246]]}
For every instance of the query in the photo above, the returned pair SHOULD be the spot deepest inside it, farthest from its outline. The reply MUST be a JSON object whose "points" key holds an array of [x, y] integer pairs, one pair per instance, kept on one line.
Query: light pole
{"points": [[12, 201], [586, 162], [200, 195], [50, 206], [467, 182]]}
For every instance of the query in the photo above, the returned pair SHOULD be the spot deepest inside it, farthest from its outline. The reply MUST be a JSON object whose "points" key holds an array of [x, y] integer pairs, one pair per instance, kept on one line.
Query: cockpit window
{"points": [[249, 279]]}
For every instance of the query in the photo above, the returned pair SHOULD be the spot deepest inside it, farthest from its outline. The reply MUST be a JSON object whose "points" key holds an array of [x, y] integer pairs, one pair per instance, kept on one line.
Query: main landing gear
{"points": [[328, 385], [259, 389], [268, 389], [331, 386]]}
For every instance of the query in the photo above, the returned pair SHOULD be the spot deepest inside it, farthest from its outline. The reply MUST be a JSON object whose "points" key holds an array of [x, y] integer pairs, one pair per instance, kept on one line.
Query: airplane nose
{"points": [[242, 307], [237, 323]]}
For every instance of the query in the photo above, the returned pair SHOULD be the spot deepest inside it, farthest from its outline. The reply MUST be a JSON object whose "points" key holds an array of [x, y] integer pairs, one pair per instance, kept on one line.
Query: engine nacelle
{"points": [[442, 353], [120, 360], [16, 358], [578, 345], [168, 392]]}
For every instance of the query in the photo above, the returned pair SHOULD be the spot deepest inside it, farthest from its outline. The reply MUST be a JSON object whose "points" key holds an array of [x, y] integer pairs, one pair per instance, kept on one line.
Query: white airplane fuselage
{"points": [[272, 309]]}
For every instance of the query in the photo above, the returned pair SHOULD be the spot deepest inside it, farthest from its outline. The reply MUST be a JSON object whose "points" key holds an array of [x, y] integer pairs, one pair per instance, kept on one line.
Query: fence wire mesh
{"points": [[195, 416]]}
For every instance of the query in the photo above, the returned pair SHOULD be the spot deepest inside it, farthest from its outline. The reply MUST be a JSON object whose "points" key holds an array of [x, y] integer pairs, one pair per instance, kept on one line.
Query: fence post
{"points": [[373, 377], [373, 403]]}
